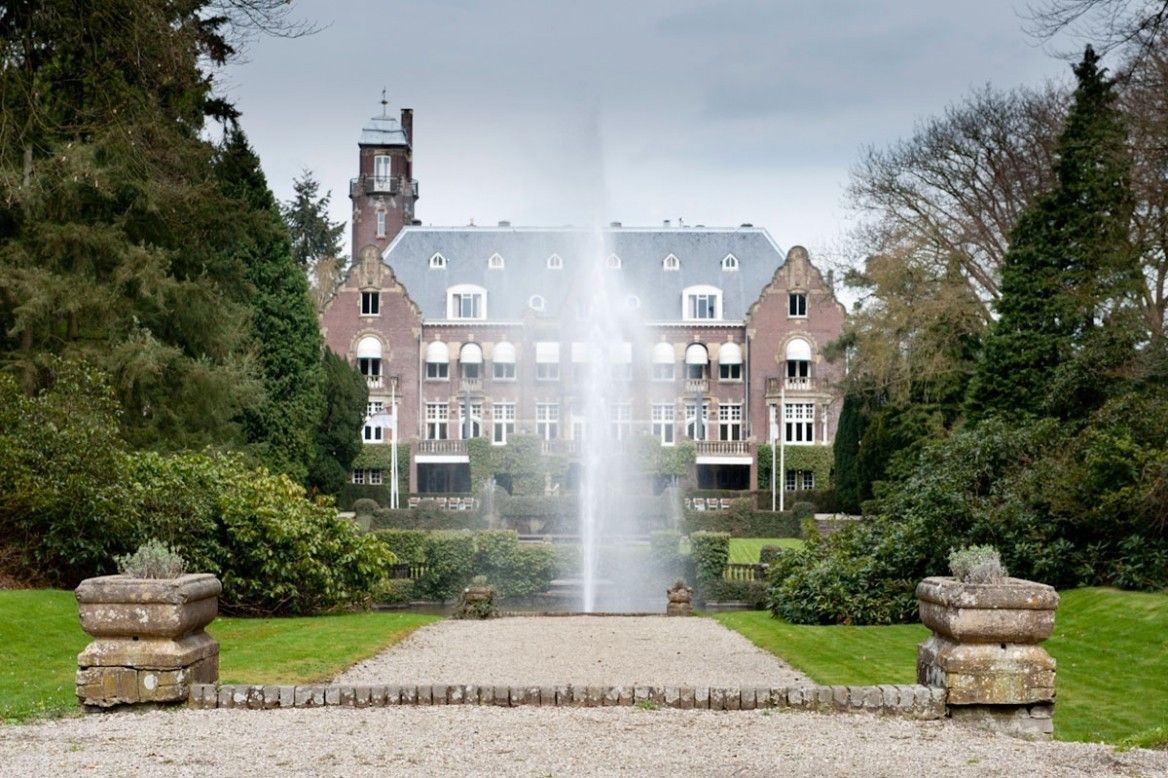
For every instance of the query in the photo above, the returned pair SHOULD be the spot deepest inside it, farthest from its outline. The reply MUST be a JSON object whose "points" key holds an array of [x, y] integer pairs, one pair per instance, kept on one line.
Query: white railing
{"points": [[723, 448], [441, 446]]}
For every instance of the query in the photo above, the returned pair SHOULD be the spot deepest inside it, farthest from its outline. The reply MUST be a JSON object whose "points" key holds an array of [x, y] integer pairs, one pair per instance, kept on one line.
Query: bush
{"points": [[153, 559], [394, 591], [364, 507], [753, 593], [449, 560], [408, 545], [514, 569], [803, 510], [742, 521], [426, 516], [977, 565], [768, 554], [711, 553]]}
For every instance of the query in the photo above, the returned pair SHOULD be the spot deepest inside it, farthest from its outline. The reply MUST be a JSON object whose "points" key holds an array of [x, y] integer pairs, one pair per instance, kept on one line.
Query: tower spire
{"points": [[384, 104]]}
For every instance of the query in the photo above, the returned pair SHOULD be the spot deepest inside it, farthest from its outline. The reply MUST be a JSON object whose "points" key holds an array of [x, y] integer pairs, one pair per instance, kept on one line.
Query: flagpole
{"points": [[773, 429], [393, 489], [782, 448]]}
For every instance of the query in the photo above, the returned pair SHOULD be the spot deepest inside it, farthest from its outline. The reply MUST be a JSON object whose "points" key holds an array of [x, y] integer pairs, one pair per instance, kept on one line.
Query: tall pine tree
{"points": [[338, 438], [1070, 274]]}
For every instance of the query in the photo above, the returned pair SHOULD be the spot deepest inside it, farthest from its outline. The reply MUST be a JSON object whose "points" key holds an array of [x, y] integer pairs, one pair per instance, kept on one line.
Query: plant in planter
{"points": [[477, 601], [984, 648], [147, 623]]}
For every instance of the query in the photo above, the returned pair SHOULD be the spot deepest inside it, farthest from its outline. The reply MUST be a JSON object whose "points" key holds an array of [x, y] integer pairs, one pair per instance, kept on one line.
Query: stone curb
{"points": [[914, 701]]}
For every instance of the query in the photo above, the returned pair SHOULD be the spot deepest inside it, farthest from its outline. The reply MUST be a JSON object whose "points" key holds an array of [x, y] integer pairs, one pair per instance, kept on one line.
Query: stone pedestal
{"points": [[680, 600], [149, 645], [984, 652]]}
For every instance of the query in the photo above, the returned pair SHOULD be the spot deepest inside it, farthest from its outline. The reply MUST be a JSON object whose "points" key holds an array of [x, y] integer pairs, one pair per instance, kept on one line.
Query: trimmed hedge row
{"points": [[742, 521], [451, 559], [426, 516]]}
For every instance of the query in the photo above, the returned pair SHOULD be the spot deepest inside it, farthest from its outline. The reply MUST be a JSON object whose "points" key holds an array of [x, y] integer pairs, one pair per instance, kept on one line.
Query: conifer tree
{"points": [[316, 241], [283, 322], [846, 451], [1070, 274], [338, 438]]}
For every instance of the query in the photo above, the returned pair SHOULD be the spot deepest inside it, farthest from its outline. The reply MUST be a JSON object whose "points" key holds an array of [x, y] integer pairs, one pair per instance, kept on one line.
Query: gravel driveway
{"points": [[583, 650], [537, 742]]}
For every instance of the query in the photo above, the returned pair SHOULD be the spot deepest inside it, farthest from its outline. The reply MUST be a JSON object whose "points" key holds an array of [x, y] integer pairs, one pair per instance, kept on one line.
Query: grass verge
{"points": [[1111, 648], [744, 551], [40, 638]]}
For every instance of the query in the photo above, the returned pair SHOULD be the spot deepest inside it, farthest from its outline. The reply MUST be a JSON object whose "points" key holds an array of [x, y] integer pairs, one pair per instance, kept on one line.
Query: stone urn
{"points": [[149, 645], [680, 600], [984, 650]]}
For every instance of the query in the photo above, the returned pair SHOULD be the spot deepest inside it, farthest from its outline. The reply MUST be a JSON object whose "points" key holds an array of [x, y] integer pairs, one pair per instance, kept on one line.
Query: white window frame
{"points": [[547, 420], [613, 262], [662, 417], [382, 169], [371, 303], [496, 262], [502, 422], [730, 421], [555, 262], [380, 223], [536, 303], [671, 263], [799, 423], [437, 261], [730, 373], [503, 371], [476, 420], [437, 421], [620, 421], [459, 296], [375, 477], [371, 433], [796, 305], [664, 371], [710, 296], [730, 263], [691, 421], [357, 477]]}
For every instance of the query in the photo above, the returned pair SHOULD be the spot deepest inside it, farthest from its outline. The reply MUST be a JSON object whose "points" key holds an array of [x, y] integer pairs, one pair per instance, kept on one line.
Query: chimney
{"points": [[504, 223], [666, 223], [614, 225], [407, 123], [746, 224]]}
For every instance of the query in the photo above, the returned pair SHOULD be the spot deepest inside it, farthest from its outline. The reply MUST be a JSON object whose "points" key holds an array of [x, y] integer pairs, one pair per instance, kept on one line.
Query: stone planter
{"points": [[680, 600], [149, 645], [984, 651]]}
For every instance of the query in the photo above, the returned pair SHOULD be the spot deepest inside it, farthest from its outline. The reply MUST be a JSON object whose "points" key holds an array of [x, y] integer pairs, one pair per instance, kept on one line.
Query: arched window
{"points": [[437, 261], [613, 262], [730, 362], [671, 263], [798, 364], [663, 360], [470, 360], [536, 303], [697, 361], [504, 361], [369, 359], [495, 262], [730, 262], [466, 301], [437, 361], [701, 303], [554, 262]]}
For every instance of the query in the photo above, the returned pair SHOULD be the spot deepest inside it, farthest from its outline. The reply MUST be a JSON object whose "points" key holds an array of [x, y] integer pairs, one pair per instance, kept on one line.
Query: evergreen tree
{"points": [[338, 438], [1070, 274], [846, 452], [283, 322], [316, 241]]}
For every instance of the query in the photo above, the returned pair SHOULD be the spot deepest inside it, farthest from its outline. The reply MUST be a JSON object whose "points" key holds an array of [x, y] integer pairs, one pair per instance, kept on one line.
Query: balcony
{"points": [[382, 383], [368, 185], [470, 384], [558, 446], [723, 448], [776, 386], [697, 385], [446, 447]]}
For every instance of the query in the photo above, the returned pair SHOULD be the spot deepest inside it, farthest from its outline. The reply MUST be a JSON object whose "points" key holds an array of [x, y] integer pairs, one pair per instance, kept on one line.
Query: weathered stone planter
{"points": [[984, 651], [149, 645], [478, 602], [680, 600]]}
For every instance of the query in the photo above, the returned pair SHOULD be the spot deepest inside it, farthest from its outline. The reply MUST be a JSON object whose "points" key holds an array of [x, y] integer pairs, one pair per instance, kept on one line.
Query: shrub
{"points": [[768, 554], [408, 545], [514, 569], [710, 552], [742, 521], [752, 593], [364, 507], [153, 559], [977, 565], [449, 559], [426, 516], [394, 591], [803, 510]]}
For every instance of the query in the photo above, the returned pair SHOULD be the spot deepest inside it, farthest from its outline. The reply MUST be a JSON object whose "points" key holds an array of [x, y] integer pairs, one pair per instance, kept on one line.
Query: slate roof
{"points": [[525, 252], [383, 131]]}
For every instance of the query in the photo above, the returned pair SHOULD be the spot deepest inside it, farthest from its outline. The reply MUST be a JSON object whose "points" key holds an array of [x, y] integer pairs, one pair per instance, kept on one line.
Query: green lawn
{"points": [[40, 638], [1111, 648], [744, 551]]}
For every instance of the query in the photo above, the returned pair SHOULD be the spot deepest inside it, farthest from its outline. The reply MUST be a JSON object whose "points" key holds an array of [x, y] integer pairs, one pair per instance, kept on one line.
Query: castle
{"points": [[475, 336]]}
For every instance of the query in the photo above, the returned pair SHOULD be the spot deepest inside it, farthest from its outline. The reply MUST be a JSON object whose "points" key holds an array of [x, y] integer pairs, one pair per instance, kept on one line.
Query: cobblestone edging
{"points": [[915, 701]]}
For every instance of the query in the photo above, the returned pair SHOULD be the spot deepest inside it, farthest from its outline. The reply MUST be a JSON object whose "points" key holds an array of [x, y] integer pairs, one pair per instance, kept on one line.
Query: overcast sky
{"points": [[549, 112]]}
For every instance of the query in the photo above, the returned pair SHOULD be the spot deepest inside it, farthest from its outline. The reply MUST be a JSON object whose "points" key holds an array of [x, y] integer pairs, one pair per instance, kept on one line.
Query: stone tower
{"points": [[384, 191]]}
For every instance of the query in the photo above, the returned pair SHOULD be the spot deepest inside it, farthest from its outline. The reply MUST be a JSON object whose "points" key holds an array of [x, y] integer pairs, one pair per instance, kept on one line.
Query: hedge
{"points": [[741, 521], [426, 516]]}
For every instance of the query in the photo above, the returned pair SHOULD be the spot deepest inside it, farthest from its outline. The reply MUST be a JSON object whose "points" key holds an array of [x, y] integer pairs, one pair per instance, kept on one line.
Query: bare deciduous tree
{"points": [[1107, 24]]}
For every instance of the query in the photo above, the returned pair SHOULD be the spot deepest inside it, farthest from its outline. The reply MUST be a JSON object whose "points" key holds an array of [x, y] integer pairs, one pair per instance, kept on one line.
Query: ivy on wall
{"points": [[522, 458], [817, 459], [377, 456]]}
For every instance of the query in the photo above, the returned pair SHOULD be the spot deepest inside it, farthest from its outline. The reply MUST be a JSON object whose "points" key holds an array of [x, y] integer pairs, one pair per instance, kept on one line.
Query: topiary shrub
{"points": [[710, 552], [803, 510], [364, 507]]}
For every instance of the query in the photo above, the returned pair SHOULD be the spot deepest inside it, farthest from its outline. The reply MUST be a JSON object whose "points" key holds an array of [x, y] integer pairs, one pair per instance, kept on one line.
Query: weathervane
{"points": [[384, 103]]}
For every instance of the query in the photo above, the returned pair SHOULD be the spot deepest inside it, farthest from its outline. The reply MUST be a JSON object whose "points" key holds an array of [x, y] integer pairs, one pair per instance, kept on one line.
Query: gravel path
{"points": [[583, 650], [533, 741]]}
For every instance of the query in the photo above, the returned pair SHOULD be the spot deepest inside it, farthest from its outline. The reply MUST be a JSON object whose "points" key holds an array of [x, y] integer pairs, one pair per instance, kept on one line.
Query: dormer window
{"points": [[797, 304], [536, 303], [671, 263], [555, 262], [495, 262], [701, 303], [437, 262], [466, 301], [730, 263], [613, 262]]}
